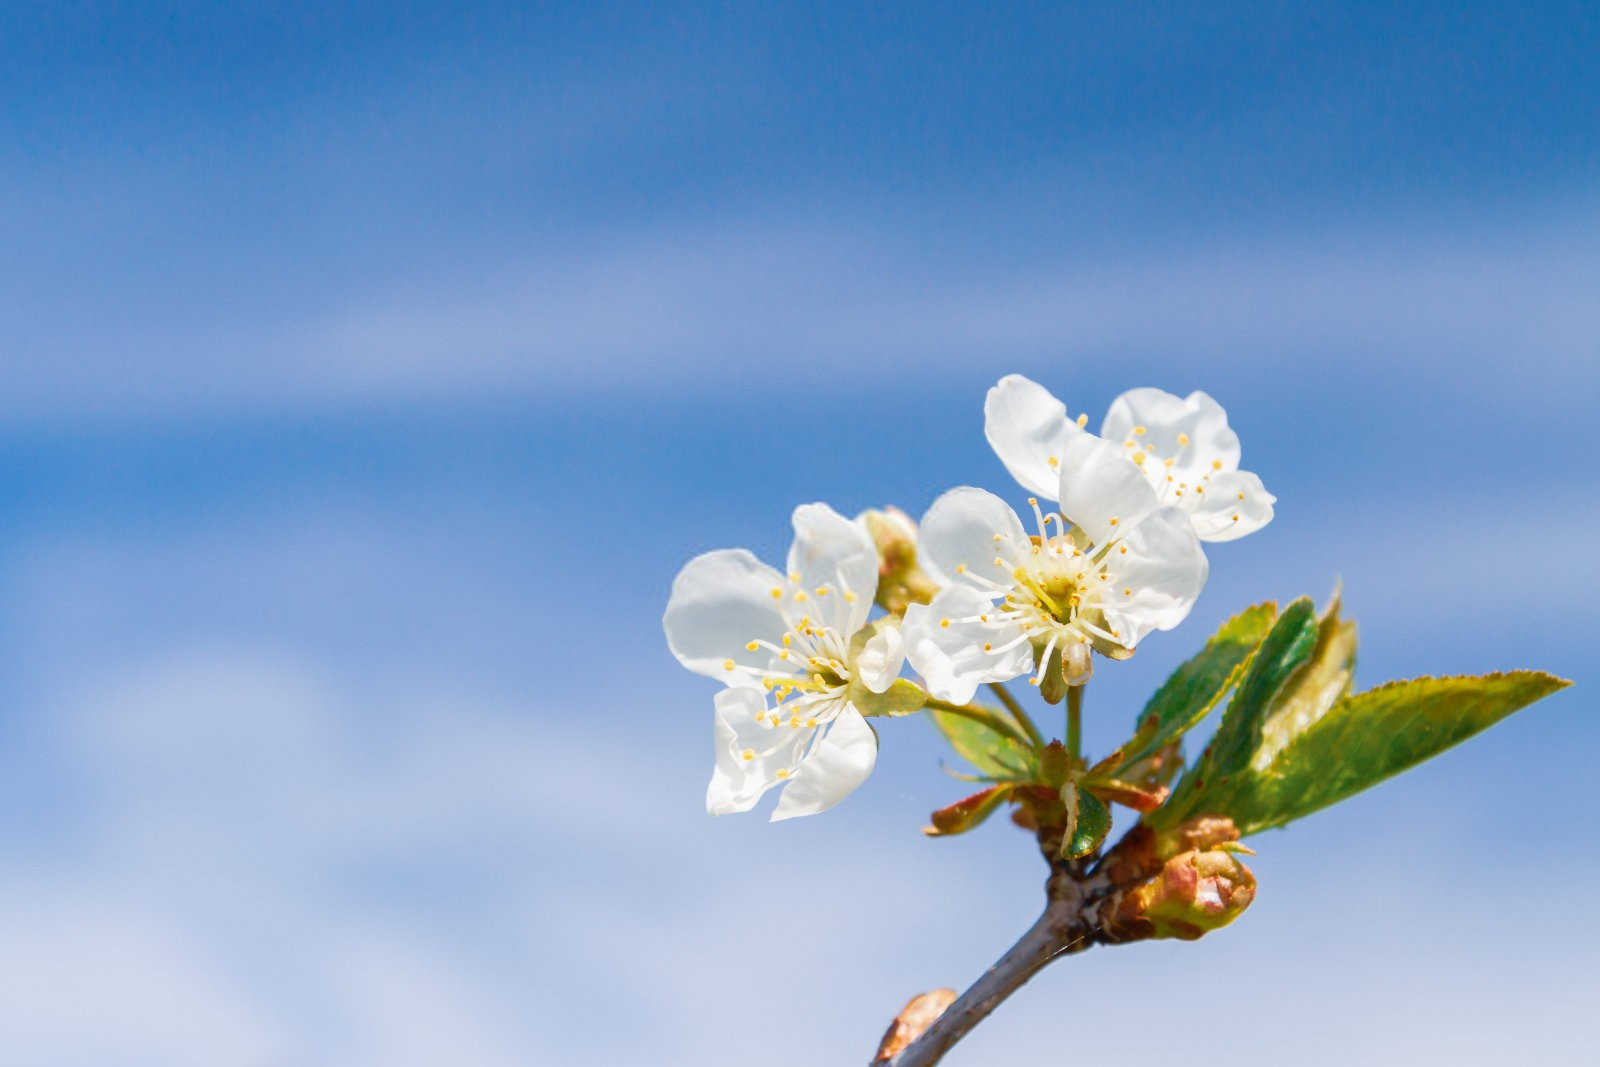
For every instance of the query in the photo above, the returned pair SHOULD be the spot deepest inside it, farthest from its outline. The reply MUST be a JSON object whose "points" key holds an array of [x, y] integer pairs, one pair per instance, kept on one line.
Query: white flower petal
{"points": [[879, 661], [957, 542], [1156, 573], [720, 602], [832, 553], [1234, 503], [1102, 491], [1028, 428], [955, 658], [1186, 438], [1212, 440], [837, 764], [749, 753]]}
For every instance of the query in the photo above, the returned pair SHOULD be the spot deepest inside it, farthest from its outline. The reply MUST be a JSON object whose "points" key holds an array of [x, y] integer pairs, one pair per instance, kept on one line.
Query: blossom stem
{"points": [[1074, 720], [1017, 713], [987, 716]]}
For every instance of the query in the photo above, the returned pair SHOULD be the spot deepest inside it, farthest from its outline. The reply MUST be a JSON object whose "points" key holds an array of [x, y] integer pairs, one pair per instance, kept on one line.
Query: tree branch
{"points": [[1082, 901], [1065, 927]]}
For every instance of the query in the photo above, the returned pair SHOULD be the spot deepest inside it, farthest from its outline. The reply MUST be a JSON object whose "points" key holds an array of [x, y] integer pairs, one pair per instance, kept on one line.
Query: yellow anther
{"points": [[727, 664], [782, 773], [777, 592], [800, 596], [1138, 431], [1033, 681], [1035, 550], [1235, 517], [1122, 549], [849, 597], [983, 618], [788, 639], [998, 562], [961, 568], [794, 576], [811, 723], [1138, 457], [1241, 495], [822, 590], [1216, 464], [1112, 520], [1127, 592], [1200, 489], [751, 647], [1127, 444], [987, 647], [1033, 501], [748, 754], [1055, 461], [785, 654], [1083, 420], [1168, 462], [945, 623], [1183, 440]]}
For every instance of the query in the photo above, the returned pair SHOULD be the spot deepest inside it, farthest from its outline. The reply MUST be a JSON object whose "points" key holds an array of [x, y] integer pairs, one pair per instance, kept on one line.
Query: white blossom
{"points": [[782, 644], [1111, 566], [1183, 447]]}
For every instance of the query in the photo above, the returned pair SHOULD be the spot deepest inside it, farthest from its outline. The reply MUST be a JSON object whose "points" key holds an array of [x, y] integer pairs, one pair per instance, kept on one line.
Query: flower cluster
{"points": [[969, 597]]}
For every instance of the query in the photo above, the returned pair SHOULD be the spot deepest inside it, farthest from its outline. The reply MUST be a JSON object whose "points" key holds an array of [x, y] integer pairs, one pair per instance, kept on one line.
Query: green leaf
{"points": [[1194, 688], [993, 753], [1089, 828], [1308, 695], [1286, 647], [1366, 738], [964, 814]]}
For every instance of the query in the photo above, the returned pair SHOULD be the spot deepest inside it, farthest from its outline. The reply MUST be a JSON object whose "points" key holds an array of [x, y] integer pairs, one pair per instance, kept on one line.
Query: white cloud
{"points": [[729, 302]]}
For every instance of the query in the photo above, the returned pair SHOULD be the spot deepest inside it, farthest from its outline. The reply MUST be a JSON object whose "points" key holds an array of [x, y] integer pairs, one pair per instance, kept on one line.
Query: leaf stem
{"points": [[987, 716], [1074, 720], [1017, 713]]}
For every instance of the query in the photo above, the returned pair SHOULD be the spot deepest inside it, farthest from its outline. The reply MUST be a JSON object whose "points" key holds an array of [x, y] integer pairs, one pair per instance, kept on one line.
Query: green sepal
{"points": [[1053, 680], [1363, 739], [1206, 785], [964, 814], [901, 698], [1189, 694], [1089, 821], [993, 753]]}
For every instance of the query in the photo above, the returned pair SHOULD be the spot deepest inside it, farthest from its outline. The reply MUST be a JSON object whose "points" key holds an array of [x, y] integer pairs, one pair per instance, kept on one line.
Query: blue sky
{"points": [[371, 372]]}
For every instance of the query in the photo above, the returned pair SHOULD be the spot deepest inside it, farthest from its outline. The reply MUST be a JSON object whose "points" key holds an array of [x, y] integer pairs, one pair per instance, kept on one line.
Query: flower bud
{"points": [[921, 1012], [901, 582], [1196, 891], [1077, 663]]}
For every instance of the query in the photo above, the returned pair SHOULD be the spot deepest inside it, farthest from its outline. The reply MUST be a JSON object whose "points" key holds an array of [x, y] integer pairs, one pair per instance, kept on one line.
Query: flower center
{"points": [[808, 673]]}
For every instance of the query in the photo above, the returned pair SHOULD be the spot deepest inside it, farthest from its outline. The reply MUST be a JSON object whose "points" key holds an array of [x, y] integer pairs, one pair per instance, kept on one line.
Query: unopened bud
{"points": [[921, 1012], [901, 582], [1196, 892]]}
